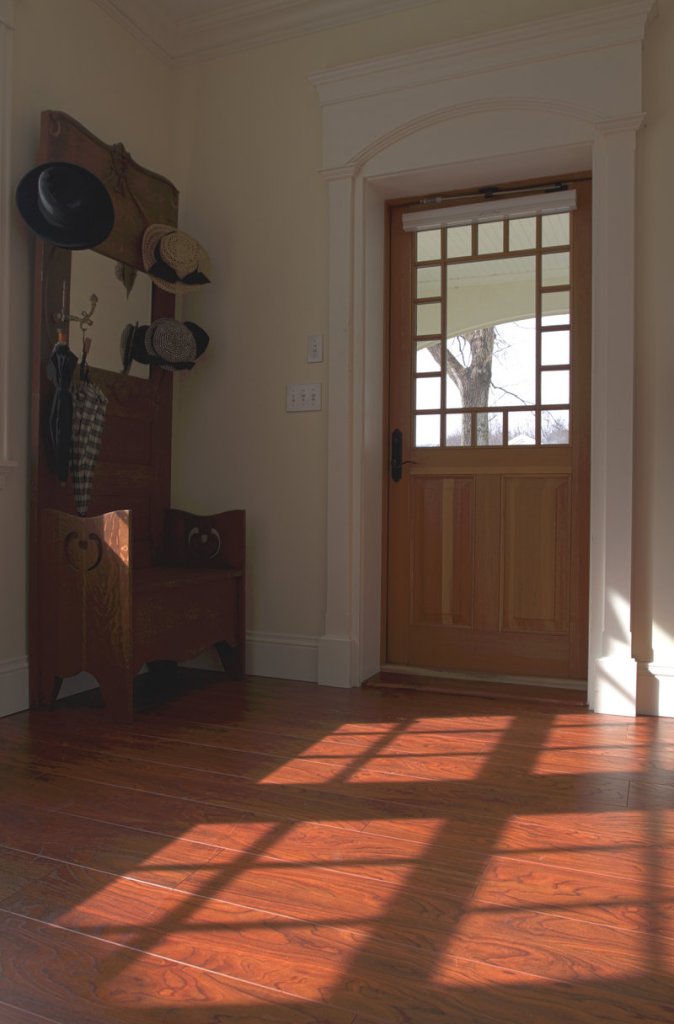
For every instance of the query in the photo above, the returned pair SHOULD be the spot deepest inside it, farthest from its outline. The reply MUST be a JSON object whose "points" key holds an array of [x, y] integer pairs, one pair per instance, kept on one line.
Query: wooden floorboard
{"points": [[291, 854]]}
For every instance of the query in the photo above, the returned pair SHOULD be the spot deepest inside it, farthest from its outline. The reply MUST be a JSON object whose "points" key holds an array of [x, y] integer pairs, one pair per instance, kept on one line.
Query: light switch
{"points": [[303, 397]]}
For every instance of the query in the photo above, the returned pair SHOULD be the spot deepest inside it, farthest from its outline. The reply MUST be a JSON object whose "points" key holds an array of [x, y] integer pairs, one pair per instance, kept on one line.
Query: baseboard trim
{"points": [[282, 656], [15, 689], [13, 686], [274, 656]]}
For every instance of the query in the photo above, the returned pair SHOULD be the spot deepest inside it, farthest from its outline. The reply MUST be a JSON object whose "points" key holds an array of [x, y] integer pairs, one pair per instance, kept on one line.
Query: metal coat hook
{"points": [[85, 320]]}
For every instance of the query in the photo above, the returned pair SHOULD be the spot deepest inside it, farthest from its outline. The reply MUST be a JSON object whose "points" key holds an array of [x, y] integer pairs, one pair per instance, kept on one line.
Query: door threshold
{"points": [[468, 684]]}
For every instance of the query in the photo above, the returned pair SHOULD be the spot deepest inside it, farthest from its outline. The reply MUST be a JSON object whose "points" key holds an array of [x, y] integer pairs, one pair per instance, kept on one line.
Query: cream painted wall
{"points": [[240, 136], [250, 141], [67, 56]]}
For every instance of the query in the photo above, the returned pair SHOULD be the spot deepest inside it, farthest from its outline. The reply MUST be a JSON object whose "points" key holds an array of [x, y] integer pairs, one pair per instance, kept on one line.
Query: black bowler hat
{"points": [[66, 205], [165, 342]]}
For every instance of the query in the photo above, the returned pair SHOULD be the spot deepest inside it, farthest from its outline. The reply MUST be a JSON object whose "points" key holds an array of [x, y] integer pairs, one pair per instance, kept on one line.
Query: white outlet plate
{"points": [[315, 348], [303, 397]]}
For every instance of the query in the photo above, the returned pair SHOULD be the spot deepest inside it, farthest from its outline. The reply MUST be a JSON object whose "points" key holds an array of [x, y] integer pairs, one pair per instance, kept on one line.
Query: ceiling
{"points": [[179, 30]]}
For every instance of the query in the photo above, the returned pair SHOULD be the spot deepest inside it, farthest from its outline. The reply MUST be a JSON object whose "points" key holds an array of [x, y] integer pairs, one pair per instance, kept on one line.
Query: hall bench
{"points": [[101, 615]]}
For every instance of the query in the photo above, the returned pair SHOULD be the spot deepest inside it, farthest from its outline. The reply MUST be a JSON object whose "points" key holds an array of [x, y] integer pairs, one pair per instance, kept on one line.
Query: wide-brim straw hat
{"points": [[175, 261], [167, 343], [65, 204]]}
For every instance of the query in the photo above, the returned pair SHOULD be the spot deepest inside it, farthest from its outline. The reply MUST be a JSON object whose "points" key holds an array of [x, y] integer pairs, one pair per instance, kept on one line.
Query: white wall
{"points": [[247, 135], [250, 133]]}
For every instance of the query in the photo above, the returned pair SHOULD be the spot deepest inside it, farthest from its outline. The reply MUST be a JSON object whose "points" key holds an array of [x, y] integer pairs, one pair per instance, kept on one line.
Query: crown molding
{"points": [[144, 20], [558, 36], [239, 24], [7, 11]]}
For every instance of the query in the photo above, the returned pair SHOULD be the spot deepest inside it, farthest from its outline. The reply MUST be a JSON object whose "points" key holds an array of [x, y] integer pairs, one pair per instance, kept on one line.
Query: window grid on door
{"points": [[487, 252]]}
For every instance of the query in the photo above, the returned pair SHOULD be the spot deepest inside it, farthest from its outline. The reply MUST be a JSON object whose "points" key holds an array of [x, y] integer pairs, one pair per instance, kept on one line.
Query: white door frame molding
{"points": [[552, 97]]}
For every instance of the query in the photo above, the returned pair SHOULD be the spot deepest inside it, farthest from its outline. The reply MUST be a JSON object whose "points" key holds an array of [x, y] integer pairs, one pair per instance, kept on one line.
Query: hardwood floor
{"points": [[290, 854]]}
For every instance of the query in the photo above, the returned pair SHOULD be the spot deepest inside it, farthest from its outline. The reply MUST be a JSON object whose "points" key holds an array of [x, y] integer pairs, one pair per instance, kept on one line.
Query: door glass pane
{"points": [[428, 318], [555, 426], [521, 428], [494, 364], [554, 348], [429, 282], [425, 361], [523, 233], [427, 431], [514, 364], [490, 238], [555, 229], [489, 428], [459, 242], [555, 387], [555, 303], [452, 395], [428, 393], [429, 245], [458, 430], [554, 269]]}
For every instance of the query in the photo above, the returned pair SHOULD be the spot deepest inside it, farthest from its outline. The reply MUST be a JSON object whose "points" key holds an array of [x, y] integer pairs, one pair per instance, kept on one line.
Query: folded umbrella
{"points": [[60, 367], [89, 405]]}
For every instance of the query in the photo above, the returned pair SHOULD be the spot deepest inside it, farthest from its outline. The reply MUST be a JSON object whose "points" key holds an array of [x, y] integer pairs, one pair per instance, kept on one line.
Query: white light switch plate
{"points": [[303, 397]]}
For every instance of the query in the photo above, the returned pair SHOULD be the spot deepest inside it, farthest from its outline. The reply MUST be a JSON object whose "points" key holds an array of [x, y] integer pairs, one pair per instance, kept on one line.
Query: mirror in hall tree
{"points": [[94, 274]]}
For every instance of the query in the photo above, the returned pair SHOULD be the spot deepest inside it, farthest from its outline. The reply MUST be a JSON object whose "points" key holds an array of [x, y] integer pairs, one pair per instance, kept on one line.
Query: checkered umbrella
{"points": [[89, 405]]}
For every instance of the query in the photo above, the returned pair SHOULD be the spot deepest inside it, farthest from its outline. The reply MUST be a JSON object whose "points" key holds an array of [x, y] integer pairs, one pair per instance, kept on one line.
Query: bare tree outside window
{"points": [[470, 365]]}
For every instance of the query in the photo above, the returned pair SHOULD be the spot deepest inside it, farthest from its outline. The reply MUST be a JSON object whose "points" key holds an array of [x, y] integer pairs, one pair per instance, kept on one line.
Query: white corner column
{"points": [[612, 679], [338, 648]]}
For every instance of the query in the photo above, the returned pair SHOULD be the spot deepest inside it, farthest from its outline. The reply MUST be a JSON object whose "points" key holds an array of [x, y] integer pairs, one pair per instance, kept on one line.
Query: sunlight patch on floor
{"points": [[397, 748], [544, 945]]}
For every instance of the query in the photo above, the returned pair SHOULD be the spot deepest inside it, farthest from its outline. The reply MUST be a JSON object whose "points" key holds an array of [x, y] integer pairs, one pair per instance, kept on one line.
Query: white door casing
{"points": [[548, 98]]}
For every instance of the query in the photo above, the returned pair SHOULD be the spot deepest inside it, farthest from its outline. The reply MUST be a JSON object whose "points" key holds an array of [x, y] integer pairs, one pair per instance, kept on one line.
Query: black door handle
{"points": [[396, 455], [397, 461]]}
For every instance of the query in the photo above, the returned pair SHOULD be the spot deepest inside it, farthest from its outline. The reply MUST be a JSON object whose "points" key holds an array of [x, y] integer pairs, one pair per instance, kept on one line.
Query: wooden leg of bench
{"points": [[56, 684], [117, 692], [233, 659]]}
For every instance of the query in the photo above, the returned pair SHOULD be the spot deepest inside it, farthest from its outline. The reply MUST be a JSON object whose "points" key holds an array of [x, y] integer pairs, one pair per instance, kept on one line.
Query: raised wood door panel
{"points": [[536, 554], [442, 550], [471, 583], [487, 536]]}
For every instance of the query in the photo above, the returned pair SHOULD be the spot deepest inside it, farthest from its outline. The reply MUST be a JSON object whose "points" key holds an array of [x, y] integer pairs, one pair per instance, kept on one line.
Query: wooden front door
{"points": [[488, 522]]}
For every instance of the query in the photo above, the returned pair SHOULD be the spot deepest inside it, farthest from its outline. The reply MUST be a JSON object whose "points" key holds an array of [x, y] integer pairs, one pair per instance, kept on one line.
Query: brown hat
{"points": [[174, 260]]}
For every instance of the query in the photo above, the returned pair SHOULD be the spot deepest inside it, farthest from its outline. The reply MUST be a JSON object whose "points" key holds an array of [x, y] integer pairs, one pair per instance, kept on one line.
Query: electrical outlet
{"points": [[315, 348], [303, 397]]}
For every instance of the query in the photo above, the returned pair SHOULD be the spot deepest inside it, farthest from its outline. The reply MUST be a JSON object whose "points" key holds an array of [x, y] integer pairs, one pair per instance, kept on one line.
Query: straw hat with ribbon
{"points": [[165, 342], [174, 260]]}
